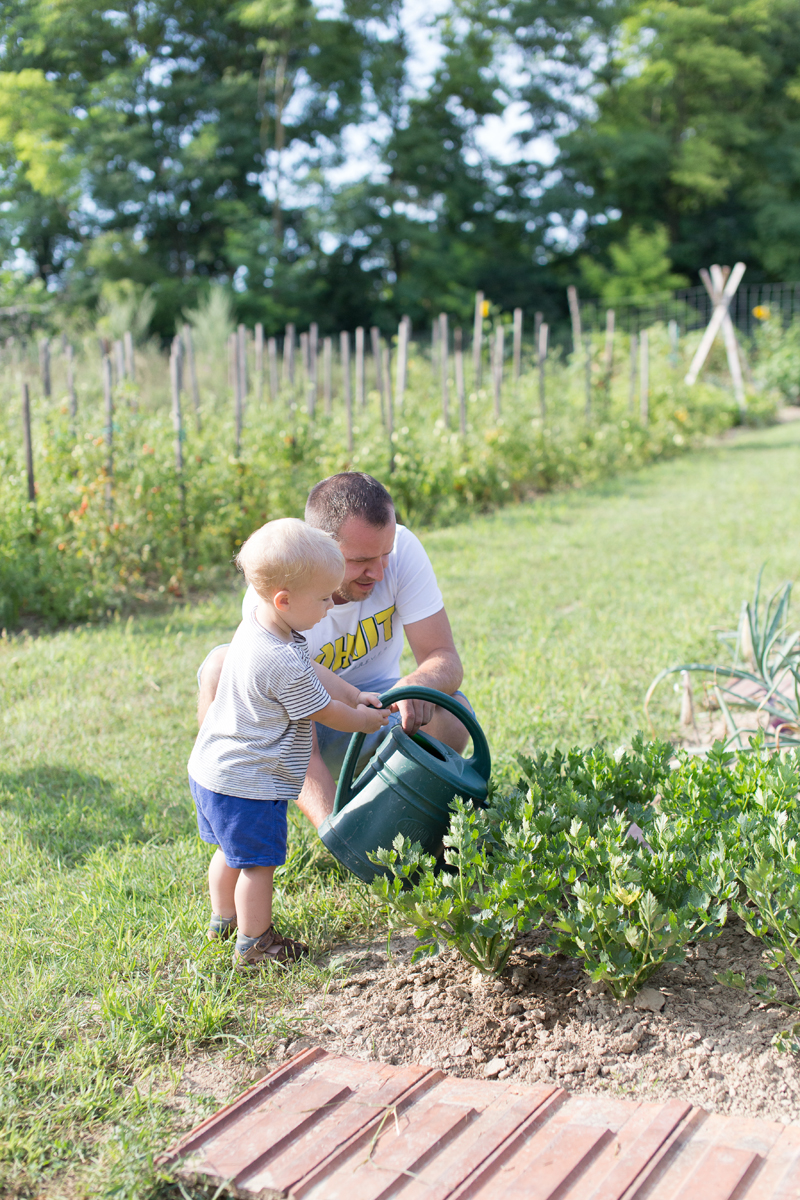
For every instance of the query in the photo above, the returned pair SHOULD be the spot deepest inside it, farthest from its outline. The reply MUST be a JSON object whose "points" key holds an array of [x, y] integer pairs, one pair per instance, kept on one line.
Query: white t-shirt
{"points": [[362, 641], [255, 741]]}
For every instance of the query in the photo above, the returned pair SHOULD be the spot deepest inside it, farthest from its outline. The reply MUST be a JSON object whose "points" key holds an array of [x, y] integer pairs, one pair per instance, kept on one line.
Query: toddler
{"points": [[254, 746]]}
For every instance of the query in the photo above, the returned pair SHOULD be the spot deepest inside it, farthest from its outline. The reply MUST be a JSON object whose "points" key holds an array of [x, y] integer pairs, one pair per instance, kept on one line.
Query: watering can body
{"points": [[407, 787]]}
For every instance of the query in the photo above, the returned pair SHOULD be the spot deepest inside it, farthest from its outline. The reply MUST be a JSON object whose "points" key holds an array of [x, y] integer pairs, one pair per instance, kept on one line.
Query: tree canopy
{"points": [[176, 143]]}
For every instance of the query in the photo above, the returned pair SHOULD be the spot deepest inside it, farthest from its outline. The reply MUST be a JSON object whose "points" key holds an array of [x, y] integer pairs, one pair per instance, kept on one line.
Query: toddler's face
{"points": [[307, 606]]}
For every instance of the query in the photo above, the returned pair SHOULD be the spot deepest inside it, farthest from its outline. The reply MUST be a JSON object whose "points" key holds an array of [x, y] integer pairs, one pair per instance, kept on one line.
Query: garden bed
{"points": [[544, 1021]]}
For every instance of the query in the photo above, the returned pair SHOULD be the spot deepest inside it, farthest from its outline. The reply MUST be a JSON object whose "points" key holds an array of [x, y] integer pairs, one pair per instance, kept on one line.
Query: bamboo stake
{"points": [[498, 367], [575, 315], [375, 335], [477, 341], [73, 398], [517, 345], [28, 441], [327, 358], [402, 361], [610, 321], [44, 366], [361, 397], [188, 346], [259, 362], [130, 361], [644, 379], [460, 390], [632, 386], [272, 355], [387, 385], [541, 354], [108, 396], [443, 368], [344, 351]]}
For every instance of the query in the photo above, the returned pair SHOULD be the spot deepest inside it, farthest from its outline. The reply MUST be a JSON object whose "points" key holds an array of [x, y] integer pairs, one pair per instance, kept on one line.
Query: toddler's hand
{"points": [[371, 698], [372, 719]]}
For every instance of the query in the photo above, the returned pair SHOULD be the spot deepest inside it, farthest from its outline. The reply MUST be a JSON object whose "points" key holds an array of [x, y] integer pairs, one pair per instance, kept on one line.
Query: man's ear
{"points": [[281, 600]]}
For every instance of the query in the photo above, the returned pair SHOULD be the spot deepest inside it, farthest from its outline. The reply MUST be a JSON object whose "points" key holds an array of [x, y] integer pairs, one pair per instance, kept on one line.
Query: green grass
{"points": [[564, 610]]}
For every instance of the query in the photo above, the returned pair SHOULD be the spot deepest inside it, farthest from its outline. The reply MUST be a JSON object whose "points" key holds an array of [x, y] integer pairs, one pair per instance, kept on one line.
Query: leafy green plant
{"points": [[764, 676]]}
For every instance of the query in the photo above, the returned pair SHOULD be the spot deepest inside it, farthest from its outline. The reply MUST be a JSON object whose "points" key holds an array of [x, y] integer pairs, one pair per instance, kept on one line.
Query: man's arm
{"points": [[438, 666]]}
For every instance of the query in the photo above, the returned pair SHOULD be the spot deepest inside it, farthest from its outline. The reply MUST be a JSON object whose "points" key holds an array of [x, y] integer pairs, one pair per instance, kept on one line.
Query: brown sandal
{"points": [[269, 948]]}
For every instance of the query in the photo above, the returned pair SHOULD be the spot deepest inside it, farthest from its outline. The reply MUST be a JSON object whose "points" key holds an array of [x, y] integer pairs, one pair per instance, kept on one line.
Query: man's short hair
{"points": [[350, 494], [287, 553]]}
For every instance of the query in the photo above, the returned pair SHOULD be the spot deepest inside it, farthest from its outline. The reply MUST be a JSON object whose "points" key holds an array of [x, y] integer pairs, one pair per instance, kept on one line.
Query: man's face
{"points": [[366, 549]]}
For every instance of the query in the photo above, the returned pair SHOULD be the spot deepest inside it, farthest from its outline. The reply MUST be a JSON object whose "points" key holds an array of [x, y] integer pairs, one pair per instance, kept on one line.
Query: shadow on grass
{"points": [[68, 813]]}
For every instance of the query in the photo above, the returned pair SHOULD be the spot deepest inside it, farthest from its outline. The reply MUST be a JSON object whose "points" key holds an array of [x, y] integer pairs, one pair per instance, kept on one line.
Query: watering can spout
{"points": [[407, 787]]}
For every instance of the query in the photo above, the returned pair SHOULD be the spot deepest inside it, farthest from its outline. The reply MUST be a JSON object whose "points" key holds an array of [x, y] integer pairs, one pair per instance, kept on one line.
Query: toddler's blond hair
{"points": [[288, 554]]}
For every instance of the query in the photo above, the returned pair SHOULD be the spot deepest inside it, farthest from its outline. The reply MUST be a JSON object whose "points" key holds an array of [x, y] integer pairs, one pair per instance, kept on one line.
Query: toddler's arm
{"points": [[351, 719]]}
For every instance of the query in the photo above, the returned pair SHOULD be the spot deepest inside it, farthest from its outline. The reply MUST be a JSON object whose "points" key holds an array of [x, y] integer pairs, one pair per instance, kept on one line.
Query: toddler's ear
{"points": [[281, 601]]}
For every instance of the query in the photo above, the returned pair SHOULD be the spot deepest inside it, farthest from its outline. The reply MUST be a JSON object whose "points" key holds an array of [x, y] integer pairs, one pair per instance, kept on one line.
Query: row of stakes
{"points": [[287, 376]]}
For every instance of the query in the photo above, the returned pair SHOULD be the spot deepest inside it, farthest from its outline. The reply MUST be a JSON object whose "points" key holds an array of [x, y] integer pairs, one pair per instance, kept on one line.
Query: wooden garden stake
{"points": [[443, 368], [259, 362], [361, 397], [721, 306], [541, 356], [272, 355], [108, 396], [537, 324], [73, 399], [119, 359], [462, 396], [188, 347], [632, 386], [238, 400], [517, 344], [306, 367], [587, 364], [241, 361], [687, 701], [644, 378], [610, 316], [673, 343], [434, 346], [344, 352], [44, 367], [715, 286], [477, 341], [575, 316], [28, 441], [327, 362], [313, 364], [375, 335], [130, 361], [175, 382], [288, 359], [387, 387], [498, 368], [233, 372], [402, 361], [177, 350]]}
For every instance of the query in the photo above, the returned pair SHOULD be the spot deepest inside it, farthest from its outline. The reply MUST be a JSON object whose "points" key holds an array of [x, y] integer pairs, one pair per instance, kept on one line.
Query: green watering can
{"points": [[407, 787]]}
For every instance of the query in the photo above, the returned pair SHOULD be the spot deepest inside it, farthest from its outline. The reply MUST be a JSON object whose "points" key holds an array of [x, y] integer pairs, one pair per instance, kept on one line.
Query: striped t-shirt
{"points": [[255, 741]]}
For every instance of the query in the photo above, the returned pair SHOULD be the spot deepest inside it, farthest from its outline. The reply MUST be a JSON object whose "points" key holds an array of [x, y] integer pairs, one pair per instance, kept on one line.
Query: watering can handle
{"points": [[481, 760]]}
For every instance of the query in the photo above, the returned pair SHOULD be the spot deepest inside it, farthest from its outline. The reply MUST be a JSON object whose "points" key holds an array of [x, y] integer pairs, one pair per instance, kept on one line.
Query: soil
{"points": [[544, 1021]]}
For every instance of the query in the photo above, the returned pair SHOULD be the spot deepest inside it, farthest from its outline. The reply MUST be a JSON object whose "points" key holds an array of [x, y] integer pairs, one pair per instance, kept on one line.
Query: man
{"points": [[389, 588]]}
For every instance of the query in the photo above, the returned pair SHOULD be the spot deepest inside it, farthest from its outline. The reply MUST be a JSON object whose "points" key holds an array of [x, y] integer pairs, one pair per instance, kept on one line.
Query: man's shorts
{"points": [[333, 744], [250, 833]]}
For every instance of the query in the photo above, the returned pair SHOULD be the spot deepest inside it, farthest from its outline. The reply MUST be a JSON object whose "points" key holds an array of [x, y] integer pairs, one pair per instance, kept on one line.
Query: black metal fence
{"points": [[691, 308]]}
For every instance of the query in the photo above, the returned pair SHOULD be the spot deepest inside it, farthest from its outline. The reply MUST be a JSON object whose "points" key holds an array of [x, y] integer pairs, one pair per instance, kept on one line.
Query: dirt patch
{"points": [[544, 1021]]}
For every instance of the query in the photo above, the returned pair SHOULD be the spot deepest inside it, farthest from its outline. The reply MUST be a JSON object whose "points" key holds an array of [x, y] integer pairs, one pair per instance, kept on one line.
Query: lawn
{"points": [[563, 609]]}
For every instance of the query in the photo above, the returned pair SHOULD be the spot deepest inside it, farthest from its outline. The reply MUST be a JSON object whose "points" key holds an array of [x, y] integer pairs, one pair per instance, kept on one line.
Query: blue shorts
{"points": [[250, 833]]}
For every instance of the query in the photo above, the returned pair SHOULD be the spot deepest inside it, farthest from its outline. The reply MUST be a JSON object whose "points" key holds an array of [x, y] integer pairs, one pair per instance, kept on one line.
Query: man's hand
{"points": [[414, 714]]}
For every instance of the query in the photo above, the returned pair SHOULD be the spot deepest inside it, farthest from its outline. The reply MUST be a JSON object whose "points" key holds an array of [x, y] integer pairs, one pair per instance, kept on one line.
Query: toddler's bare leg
{"points": [[222, 881], [254, 900]]}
